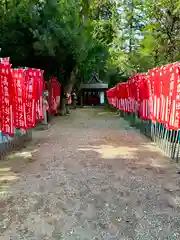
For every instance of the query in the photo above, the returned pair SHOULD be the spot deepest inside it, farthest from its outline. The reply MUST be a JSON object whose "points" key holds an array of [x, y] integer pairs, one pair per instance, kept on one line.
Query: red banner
{"points": [[54, 95], [21, 97], [151, 80], [19, 105], [31, 80], [165, 81], [174, 102], [6, 95], [111, 95], [40, 89], [155, 95]]}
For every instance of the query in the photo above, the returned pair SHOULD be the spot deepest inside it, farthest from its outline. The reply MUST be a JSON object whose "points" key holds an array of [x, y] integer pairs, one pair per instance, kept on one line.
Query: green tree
{"points": [[163, 24], [73, 39], [149, 33], [59, 37]]}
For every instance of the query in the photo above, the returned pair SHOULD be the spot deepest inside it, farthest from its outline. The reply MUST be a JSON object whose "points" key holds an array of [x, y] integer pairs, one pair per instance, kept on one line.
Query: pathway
{"points": [[90, 176]]}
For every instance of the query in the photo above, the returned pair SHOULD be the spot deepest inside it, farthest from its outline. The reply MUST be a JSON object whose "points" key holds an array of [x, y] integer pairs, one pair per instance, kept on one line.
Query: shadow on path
{"points": [[90, 176]]}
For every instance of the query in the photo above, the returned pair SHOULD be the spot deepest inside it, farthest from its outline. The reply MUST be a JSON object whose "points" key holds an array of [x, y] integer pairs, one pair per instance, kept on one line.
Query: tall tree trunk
{"points": [[62, 106], [65, 90]]}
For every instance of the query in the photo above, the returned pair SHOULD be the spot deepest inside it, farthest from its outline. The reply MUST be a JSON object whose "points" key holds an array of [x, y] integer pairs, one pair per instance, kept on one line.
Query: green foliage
{"points": [[148, 35], [112, 38], [164, 22], [54, 36]]}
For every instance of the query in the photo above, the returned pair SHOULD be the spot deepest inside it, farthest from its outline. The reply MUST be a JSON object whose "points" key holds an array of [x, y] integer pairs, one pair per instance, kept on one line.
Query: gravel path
{"points": [[90, 176]]}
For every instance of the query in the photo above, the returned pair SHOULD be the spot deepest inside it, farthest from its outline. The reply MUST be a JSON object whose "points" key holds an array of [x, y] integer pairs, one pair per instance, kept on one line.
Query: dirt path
{"points": [[89, 177]]}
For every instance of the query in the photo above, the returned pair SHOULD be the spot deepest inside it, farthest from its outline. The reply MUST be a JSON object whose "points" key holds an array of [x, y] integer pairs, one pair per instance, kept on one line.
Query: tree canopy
{"points": [[71, 39]]}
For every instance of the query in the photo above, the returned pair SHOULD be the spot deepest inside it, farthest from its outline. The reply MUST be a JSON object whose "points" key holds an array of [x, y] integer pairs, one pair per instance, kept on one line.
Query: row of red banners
{"points": [[154, 96], [21, 97], [54, 95]]}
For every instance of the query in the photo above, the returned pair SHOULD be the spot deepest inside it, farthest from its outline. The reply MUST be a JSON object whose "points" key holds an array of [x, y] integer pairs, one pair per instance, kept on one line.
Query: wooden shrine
{"points": [[93, 92]]}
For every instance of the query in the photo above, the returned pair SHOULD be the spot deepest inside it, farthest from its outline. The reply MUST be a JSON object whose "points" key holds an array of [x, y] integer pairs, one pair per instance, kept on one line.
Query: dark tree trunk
{"points": [[64, 108]]}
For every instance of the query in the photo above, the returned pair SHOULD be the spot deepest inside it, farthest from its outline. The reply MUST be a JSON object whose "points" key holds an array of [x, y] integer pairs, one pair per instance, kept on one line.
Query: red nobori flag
{"points": [[113, 94], [158, 94], [120, 96], [162, 98], [126, 102], [178, 97], [141, 94], [130, 95], [134, 94], [6, 94], [151, 79], [127, 97], [117, 100], [118, 86], [170, 77], [19, 104], [137, 95], [54, 95], [40, 88], [108, 96], [31, 80], [145, 98], [150, 107], [173, 122], [165, 81], [124, 96], [5, 61], [176, 124], [69, 98]]}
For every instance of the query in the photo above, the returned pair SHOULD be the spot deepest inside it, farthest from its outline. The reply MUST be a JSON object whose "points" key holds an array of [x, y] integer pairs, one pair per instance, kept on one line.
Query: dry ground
{"points": [[90, 176]]}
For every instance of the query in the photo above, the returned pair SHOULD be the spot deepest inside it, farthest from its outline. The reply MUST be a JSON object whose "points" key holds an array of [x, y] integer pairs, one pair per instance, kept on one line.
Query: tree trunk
{"points": [[63, 106], [68, 88], [64, 109], [74, 102]]}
